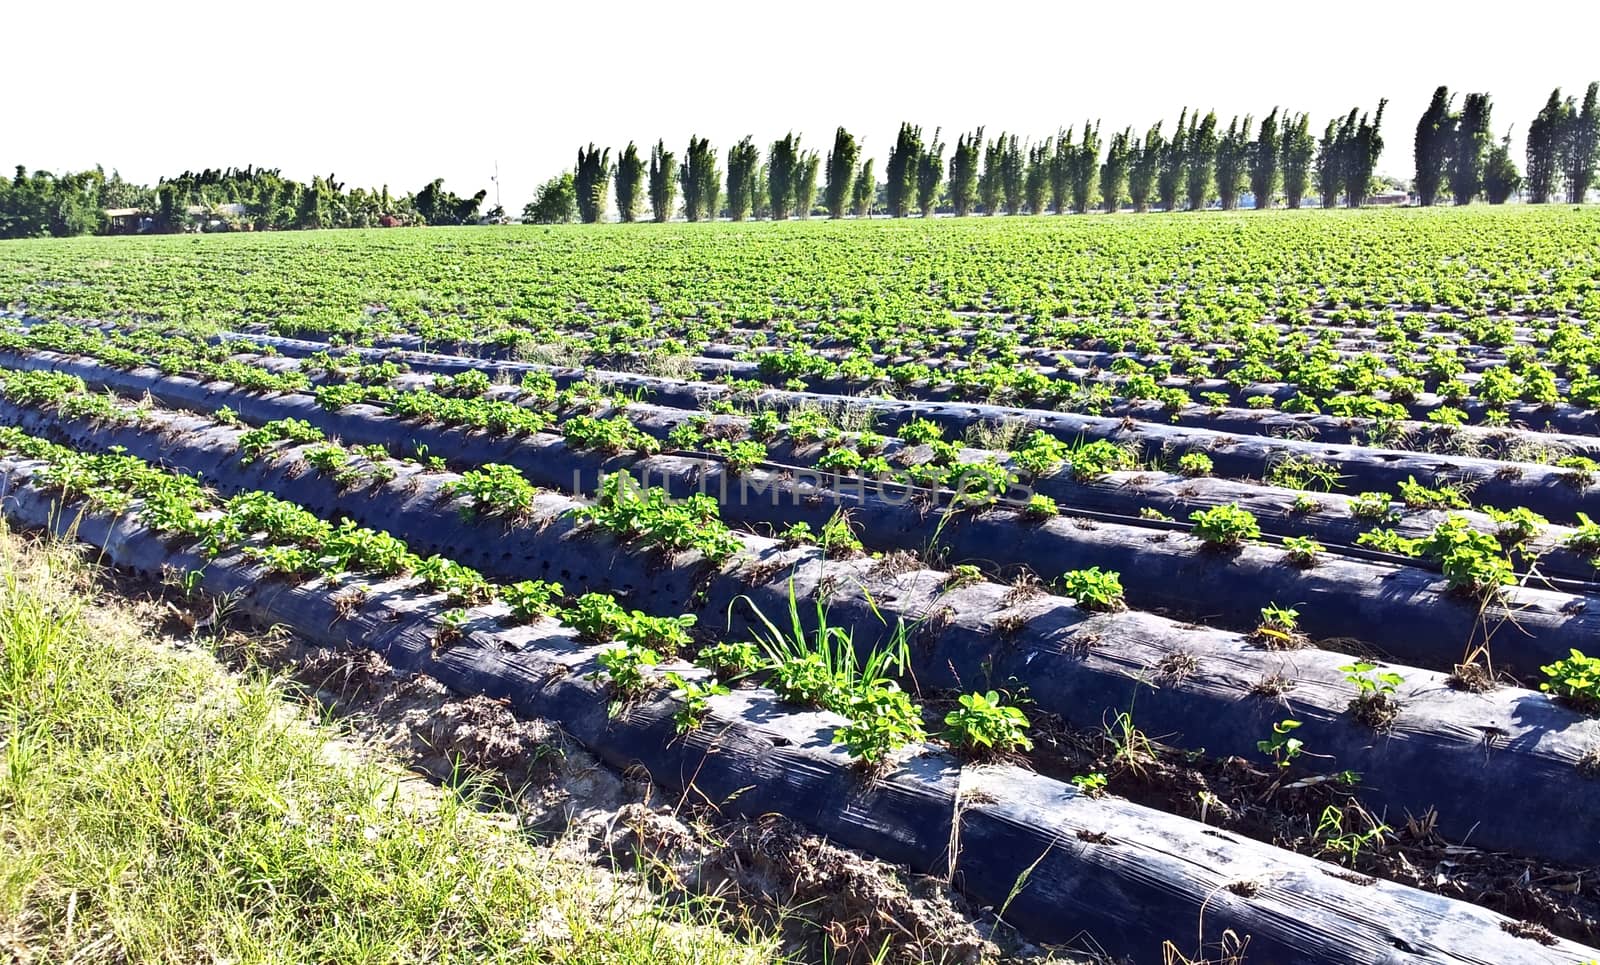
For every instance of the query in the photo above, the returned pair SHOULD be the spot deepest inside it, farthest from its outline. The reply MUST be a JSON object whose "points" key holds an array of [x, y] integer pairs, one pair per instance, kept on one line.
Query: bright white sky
{"points": [[402, 92]]}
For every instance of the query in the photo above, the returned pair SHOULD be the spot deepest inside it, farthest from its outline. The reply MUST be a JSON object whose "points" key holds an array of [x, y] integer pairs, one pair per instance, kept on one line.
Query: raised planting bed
{"points": [[1405, 612], [1522, 753], [1552, 492], [1126, 877]]}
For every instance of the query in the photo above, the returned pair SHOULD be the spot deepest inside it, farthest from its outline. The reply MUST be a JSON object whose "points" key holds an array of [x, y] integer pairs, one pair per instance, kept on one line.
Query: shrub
{"points": [[667, 635], [1040, 506], [882, 719], [1575, 679], [624, 667], [1585, 538], [984, 725], [1097, 458], [496, 489], [254, 442], [1094, 589], [1417, 496], [596, 616], [1469, 559], [1195, 464], [1225, 526], [920, 431], [1041, 454], [730, 659], [1516, 526], [531, 599]]}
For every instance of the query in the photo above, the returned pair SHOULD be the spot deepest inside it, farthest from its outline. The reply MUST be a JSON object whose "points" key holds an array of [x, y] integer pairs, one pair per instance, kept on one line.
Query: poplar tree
{"points": [[1085, 165], [590, 179], [1169, 182], [1061, 172], [1232, 148], [901, 172], [1263, 162], [930, 174], [1013, 174], [1296, 151], [1041, 158], [699, 179], [865, 191], [760, 202], [630, 175], [783, 161], [1114, 172], [964, 162], [1202, 155], [989, 181], [1580, 146], [841, 172], [1364, 145], [743, 159], [1500, 177], [662, 187], [1544, 147], [1469, 144], [1433, 146], [710, 185], [1143, 167], [805, 183], [1330, 163]]}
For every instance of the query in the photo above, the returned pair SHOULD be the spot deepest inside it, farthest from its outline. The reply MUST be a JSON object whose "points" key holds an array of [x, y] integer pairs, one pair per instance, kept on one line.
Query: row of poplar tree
{"points": [[1200, 162], [1080, 170]]}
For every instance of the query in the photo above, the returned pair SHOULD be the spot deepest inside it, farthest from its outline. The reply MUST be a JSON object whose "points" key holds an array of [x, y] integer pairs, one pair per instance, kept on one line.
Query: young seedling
{"points": [[1283, 747], [963, 574], [1347, 845], [1305, 504], [695, 697], [1091, 785], [1301, 552], [1279, 628], [1373, 506], [1374, 703]]}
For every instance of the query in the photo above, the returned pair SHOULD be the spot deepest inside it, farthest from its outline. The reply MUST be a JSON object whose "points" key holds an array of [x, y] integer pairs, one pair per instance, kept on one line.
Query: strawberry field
{"points": [[1173, 586]]}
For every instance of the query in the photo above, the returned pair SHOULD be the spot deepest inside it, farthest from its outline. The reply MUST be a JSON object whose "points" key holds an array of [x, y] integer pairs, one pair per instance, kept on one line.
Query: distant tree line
{"points": [[1199, 165], [223, 199]]}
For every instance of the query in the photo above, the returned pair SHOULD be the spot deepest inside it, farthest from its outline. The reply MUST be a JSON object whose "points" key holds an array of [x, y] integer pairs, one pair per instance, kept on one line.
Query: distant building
{"points": [[1389, 197], [124, 221]]}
